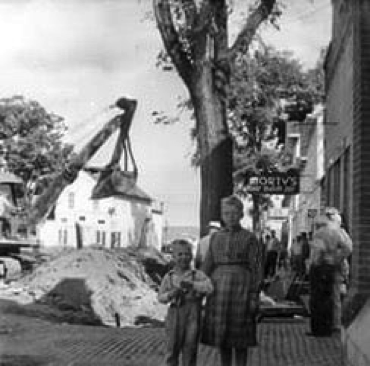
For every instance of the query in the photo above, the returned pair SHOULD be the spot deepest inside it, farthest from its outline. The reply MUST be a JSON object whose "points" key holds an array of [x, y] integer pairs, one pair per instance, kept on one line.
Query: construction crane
{"points": [[11, 245]]}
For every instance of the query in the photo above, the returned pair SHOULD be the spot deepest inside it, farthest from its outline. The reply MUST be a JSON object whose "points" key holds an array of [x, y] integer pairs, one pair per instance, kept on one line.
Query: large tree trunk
{"points": [[215, 146], [208, 42], [210, 105]]}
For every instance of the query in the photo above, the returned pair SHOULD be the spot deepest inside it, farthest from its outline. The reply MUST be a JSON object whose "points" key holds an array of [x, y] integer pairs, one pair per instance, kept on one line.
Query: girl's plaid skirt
{"points": [[227, 320]]}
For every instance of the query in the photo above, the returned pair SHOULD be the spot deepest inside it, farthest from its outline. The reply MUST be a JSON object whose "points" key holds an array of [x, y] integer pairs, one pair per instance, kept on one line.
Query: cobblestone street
{"points": [[27, 341]]}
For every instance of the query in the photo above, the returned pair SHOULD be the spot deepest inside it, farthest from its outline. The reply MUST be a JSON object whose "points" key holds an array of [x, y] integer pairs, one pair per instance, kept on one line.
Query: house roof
{"points": [[121, 191], [9, 178], [135, 192]]}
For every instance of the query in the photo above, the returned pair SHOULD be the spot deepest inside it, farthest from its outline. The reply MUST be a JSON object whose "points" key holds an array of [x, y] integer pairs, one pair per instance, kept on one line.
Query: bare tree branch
{"points": [[253, 21], [171, 40]]}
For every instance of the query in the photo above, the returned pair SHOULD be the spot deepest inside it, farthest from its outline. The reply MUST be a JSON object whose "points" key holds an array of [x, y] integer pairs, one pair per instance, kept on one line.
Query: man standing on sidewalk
{"points": [[272, 254], [331, 246], [6, 208], [343, 252]]}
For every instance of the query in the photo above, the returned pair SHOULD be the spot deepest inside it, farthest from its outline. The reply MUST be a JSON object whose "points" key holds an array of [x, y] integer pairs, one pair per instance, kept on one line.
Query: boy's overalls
{"points": [[183, 328]]}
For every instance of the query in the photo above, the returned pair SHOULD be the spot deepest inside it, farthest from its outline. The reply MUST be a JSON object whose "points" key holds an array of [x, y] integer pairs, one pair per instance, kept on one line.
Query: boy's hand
{"points": [[172, 294], [187, 284]]}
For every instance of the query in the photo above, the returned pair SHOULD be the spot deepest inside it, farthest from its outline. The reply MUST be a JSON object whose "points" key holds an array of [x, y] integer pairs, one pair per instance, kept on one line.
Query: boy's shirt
{"points": [[202, 285]]}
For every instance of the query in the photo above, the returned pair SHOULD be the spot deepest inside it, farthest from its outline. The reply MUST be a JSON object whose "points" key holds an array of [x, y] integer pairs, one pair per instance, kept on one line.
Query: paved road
{"points": [[30, 341]]}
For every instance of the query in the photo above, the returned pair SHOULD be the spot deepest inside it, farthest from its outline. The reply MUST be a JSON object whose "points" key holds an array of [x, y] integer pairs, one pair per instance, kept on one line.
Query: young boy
{"points": [[183, 288]]}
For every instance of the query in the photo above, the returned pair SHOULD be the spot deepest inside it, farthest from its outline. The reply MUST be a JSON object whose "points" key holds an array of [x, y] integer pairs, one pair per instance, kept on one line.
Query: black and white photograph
{"points": [[184, 183]]}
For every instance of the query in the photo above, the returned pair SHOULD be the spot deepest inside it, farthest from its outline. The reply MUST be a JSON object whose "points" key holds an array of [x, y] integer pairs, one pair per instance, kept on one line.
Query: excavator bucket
{"points": [[114, 182]]}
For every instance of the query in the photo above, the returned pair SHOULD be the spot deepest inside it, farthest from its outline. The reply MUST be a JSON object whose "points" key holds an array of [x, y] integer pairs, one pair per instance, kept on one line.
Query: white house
{"points": [[122, 219]]}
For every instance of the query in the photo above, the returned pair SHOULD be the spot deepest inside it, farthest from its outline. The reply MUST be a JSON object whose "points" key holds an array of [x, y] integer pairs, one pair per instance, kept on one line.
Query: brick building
{"points": [[307, 204], [305, 141], [347, 138]]}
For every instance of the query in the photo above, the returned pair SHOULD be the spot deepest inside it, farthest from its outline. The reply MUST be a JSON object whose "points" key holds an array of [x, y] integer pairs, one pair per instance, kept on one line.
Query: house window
{"points": [[71, 200], [336, 184], [65, 237], [346, 184], [95, 204], [101, 237], [323, 195], [115, 239], [328, 187]]}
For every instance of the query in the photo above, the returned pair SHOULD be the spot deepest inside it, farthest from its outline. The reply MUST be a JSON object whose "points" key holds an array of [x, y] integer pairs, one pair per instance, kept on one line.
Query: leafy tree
{"points": [[268, 90], [195, 37], [32, 139]]}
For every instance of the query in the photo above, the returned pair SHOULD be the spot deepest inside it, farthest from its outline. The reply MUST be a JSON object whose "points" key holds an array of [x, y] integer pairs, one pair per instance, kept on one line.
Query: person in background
{"points": [[330, 247], [203, 243], [233, 263], [272, 254], [6, 209], [305, 253], [183, 288], [296, 255], [341, 272], [267, 259], [307, 261]]}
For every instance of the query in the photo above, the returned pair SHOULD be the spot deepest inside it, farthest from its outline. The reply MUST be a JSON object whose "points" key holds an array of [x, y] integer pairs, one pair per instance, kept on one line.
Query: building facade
{"points": [[347, 128], [347, 148], [116, 221], [312, 171], [305, 140]]}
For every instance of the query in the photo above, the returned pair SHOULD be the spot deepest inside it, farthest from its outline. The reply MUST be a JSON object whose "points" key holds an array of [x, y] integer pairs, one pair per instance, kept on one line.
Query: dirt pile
{"points": [[100, 286]]}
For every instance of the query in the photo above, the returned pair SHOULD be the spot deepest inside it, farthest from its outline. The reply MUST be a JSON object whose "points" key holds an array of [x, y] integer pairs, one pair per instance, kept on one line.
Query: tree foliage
{"points": [[268, 90], [195, 35], [32, 138]]}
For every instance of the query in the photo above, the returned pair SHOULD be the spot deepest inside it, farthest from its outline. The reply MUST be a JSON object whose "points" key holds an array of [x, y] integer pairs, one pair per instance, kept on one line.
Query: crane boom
{"points": [[49, 197]]}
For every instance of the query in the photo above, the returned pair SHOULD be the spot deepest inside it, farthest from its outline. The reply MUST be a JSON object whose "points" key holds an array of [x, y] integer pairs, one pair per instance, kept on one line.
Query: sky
{"points": [[77, 57]]}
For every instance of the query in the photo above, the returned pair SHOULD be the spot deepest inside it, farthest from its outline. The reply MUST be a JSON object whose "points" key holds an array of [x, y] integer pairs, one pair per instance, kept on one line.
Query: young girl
{"points": [[233, 262], [183, 288]]}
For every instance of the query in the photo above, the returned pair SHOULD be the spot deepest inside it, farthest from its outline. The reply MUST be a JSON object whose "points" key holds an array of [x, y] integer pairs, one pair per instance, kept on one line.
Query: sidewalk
{"points": [[30, 341]]}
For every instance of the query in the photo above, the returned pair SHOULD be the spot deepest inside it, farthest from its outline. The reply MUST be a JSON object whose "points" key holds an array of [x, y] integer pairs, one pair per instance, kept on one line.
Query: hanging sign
{"points": [[284, 183]]}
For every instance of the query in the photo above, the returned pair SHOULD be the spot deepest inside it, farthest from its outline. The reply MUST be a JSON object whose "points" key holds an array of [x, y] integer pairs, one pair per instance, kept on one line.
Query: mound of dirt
{"points": [[109, 287]]}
